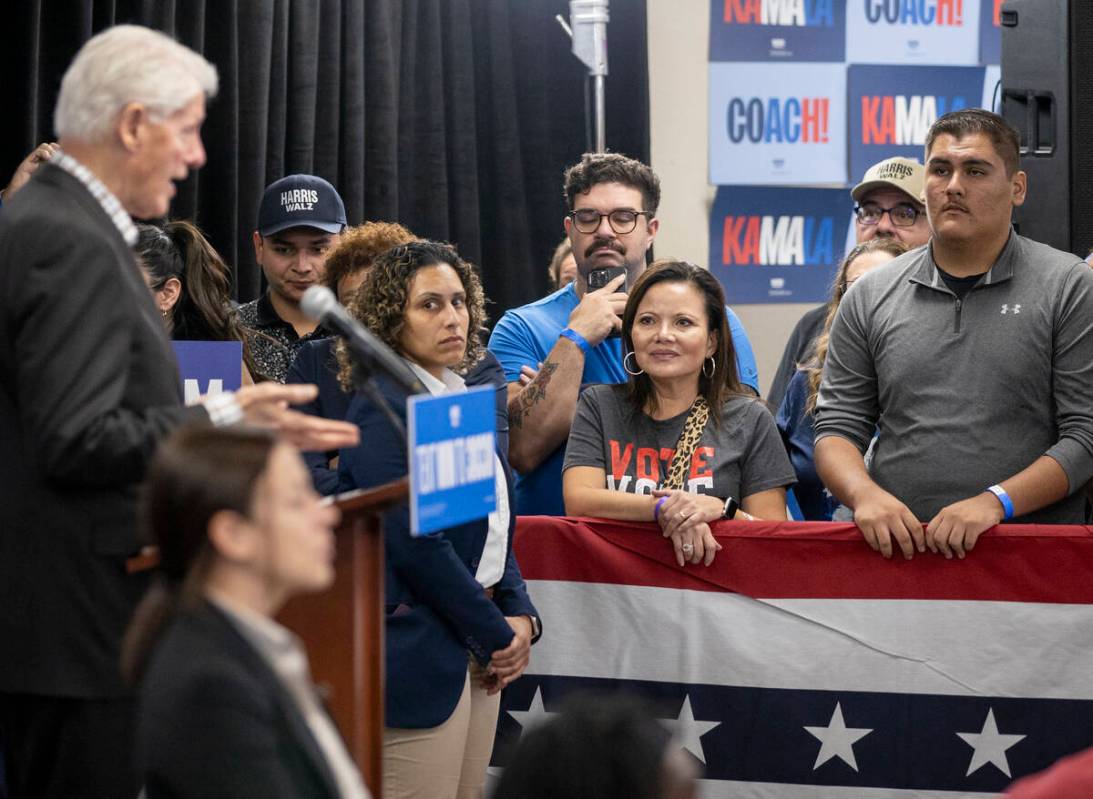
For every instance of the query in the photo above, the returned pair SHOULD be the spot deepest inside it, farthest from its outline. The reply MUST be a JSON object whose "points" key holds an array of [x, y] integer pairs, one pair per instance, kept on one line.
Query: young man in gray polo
{"points": [[974, 358]]}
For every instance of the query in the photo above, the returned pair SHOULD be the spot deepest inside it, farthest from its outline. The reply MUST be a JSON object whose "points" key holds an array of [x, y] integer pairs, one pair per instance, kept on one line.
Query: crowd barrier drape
{"points": [[454, 117], [802, 664]]}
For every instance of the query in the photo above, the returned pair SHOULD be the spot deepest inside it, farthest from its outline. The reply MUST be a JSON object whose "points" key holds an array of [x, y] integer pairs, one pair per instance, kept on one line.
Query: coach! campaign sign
{"points": [[892, 108], [774, 245], [912, 31], [208, 367], [452, 463], [777, 123], [777, 30]]}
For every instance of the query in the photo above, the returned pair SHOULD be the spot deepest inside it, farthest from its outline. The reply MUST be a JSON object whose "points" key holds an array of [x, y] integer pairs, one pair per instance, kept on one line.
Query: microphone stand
{"points": [[363, 379]]}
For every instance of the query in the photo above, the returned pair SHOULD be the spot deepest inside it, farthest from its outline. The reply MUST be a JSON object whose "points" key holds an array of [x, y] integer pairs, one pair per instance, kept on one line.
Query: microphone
{"points": [[320, 304]]}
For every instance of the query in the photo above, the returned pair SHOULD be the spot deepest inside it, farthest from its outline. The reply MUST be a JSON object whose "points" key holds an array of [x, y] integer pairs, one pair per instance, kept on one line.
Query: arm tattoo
{"points": [[532, 394]]}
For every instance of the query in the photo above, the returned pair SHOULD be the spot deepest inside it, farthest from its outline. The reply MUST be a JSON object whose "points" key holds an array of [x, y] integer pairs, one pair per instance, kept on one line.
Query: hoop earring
{"points": [[627, 368], [713, 367]]}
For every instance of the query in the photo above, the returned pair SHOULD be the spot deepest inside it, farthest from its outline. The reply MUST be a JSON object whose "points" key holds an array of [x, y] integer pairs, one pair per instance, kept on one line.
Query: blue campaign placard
{"points": [[892, 108], [208, 367], [990, 32], [451, 455], [912, 31], [777, 244], [777, 30], [774, 124]]}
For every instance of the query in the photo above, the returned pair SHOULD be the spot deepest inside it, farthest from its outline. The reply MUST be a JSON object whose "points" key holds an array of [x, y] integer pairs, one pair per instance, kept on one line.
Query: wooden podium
{"points": [[342, 628]]}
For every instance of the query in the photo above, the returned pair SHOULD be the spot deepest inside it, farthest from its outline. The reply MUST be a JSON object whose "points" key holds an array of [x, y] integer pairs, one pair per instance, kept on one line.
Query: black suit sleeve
{"points": [[78, 325]]}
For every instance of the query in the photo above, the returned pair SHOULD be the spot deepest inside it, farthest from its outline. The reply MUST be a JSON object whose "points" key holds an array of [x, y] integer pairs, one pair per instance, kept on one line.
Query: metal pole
{"points": [[601, 115], [588, 28]]}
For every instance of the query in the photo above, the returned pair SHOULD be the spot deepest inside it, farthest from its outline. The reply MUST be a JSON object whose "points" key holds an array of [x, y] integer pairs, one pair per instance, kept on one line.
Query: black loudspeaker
{"points": [[1047, 94]]}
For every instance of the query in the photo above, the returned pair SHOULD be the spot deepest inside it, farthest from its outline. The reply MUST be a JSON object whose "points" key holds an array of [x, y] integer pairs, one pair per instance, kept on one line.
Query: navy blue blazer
{"points": [[436, 610], [316, 363]]}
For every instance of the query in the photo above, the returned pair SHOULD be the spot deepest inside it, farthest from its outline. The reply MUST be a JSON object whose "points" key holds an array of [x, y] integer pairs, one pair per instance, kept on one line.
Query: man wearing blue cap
{"points": [[300, 219]]}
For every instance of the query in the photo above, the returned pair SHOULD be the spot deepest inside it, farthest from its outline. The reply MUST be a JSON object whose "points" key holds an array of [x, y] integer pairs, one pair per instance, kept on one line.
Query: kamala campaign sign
{"points": [[208, 367], [777, 123], [913, 31], [990, 32], [777, 245], [892, 108], [777, 30]]}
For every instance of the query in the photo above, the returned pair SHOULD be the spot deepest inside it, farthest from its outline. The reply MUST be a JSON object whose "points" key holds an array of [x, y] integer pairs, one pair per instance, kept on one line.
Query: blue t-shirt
{"points": [[813, 499], [525, 336]]}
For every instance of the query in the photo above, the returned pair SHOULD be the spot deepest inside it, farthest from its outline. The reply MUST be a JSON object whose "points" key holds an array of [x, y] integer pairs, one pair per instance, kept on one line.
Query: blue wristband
{"points": [[577, 339], [656, 508], [1004, 498]]}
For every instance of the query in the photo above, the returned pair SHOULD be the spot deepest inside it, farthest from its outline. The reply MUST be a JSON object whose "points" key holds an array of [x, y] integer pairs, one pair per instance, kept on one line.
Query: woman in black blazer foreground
{"points": [[226, 706]]}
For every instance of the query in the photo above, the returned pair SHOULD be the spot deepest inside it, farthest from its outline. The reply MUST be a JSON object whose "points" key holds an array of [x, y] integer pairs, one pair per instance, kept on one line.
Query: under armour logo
{"points": [[1011, 309]]}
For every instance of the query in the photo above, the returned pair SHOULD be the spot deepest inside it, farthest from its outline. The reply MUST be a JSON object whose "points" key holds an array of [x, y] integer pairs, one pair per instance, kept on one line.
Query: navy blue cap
{"points": [[300, 201]]}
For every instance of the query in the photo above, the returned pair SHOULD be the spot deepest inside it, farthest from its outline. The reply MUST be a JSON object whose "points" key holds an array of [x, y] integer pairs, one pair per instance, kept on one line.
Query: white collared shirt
{"points": [[285, 654], [491, 563]]}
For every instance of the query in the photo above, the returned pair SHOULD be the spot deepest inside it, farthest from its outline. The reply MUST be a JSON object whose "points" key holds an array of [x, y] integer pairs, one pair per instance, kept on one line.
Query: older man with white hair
{"points": [[88, 386]]}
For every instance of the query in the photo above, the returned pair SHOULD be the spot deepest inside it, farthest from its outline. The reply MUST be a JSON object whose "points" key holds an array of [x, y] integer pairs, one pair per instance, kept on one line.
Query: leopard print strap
{"points": [[688, 442]]}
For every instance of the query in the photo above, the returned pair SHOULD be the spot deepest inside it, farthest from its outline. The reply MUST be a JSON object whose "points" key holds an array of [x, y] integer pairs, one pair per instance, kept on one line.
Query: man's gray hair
{"points": [[127, 64]]}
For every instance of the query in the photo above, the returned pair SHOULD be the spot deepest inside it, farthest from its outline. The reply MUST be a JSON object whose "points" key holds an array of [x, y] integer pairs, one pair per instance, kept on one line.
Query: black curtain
{"points": [[454, 117]]}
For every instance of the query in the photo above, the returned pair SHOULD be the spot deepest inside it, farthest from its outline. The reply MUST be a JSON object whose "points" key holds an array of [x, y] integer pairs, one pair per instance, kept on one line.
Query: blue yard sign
{"points": [[451, 454], [208, 367], [777, 30], [769, 244]]}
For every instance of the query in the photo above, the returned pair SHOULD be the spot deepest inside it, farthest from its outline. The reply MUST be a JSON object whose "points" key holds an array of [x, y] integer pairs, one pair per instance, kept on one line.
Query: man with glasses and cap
{"points": [[569, 339], [888, 205], [300, 219]]}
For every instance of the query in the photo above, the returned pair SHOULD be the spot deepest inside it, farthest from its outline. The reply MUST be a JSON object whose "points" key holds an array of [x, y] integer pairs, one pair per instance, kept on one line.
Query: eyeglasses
{"points": [[622, 220], [902, 215]]}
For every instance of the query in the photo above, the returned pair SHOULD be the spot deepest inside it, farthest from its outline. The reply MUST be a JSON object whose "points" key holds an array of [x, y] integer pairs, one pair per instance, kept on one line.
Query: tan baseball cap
{"points": [[904, 174]]}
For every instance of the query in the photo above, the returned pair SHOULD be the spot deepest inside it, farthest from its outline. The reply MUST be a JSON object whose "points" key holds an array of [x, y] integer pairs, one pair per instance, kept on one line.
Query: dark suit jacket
{"points": [[215, 721], [316, 363], [88, 386], [436, 610]]}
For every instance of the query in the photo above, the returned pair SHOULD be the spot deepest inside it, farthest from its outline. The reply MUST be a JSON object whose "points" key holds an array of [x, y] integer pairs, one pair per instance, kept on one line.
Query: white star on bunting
{"points": [[688, 731], [536, 714], [837, 740], [989, 746]]}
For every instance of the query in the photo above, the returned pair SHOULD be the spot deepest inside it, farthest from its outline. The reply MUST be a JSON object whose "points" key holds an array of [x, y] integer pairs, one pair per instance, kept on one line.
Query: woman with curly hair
{"points": [[794, 418], [459, 623], [316, 362]]}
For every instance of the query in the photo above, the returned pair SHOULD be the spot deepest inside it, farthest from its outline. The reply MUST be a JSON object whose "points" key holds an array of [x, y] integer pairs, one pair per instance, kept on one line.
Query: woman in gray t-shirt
{"points": [[683, 396]]}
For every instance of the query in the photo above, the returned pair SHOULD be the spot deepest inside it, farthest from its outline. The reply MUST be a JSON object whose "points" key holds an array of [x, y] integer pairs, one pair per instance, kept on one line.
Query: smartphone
{"points": [[598, 278]]}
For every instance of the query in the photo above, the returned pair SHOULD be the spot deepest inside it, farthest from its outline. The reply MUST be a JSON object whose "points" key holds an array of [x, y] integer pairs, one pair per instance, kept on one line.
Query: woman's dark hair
{"points": [[195, 474], [599, 747], [814, 367], [204, 311], [380, 302], [723, 382]]}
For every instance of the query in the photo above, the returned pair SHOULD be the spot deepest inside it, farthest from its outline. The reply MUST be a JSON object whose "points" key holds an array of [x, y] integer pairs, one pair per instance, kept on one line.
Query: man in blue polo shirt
{"points": [[567, 335]]}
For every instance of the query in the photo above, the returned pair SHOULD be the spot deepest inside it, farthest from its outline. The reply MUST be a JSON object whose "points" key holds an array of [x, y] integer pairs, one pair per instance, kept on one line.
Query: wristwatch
{"points": [[536, 627], [731, 507]]}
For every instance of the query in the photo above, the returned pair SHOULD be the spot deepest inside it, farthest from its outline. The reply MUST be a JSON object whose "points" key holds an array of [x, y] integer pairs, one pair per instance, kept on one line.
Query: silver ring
{"points": [[687, 548]]}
